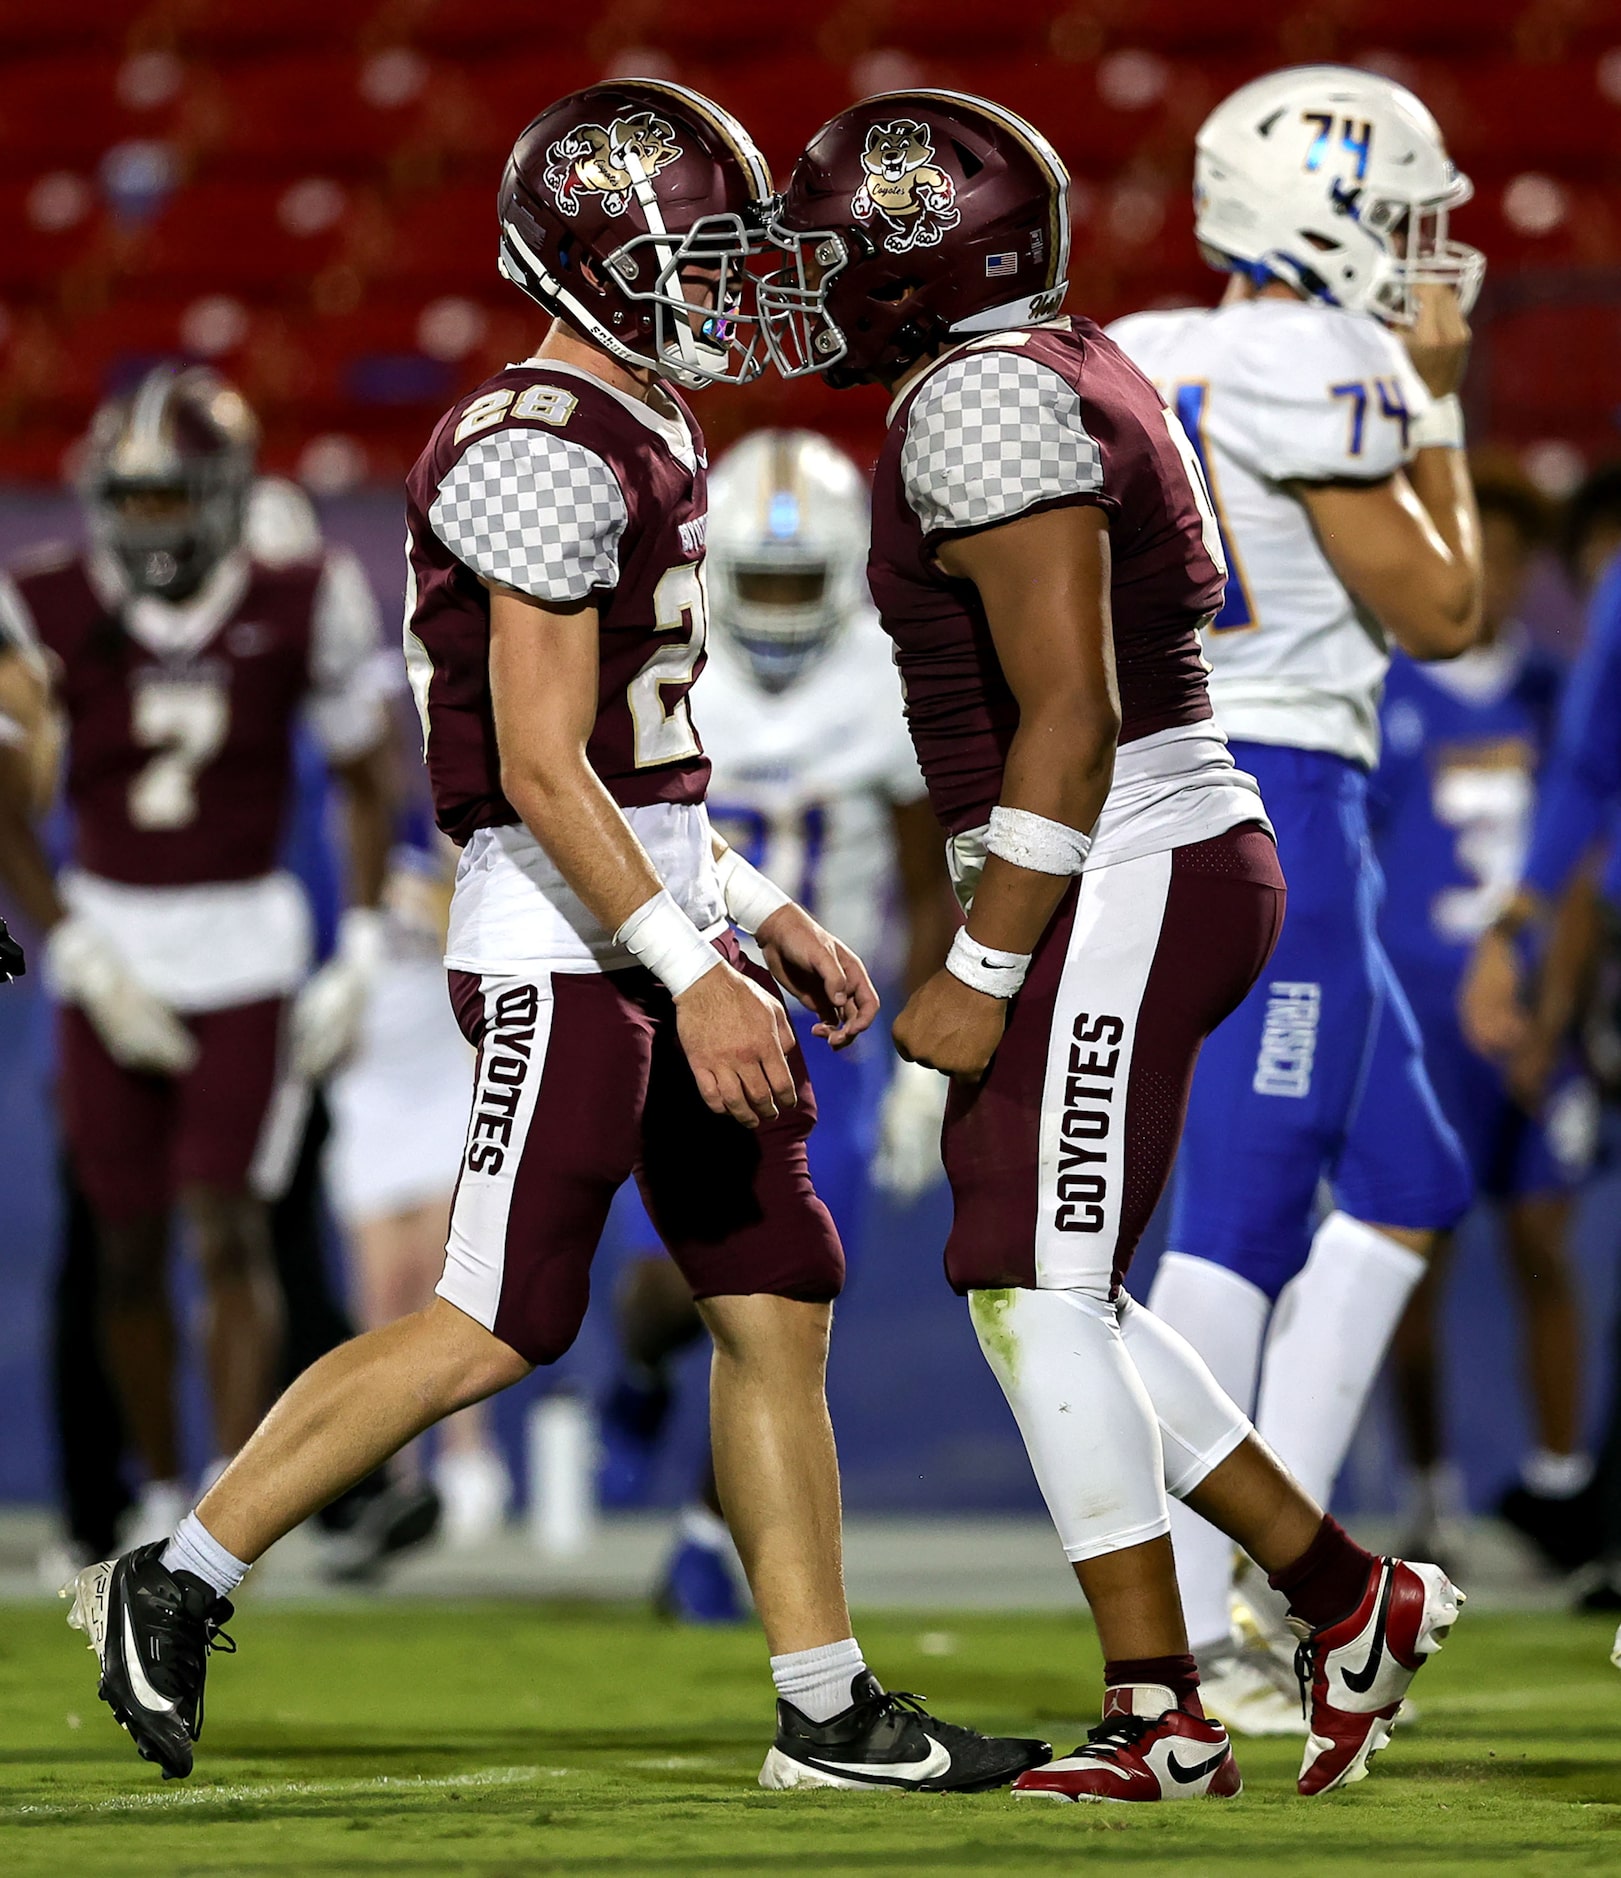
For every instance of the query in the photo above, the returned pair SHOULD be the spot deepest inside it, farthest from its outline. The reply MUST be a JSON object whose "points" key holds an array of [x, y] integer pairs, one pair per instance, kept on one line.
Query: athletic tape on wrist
{"points": [[1033, 841], [750, 898], [1440, 427], [664, 940], [997, 974]]}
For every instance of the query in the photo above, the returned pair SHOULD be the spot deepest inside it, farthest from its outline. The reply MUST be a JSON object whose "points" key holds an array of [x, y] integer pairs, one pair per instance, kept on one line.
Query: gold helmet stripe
{"points": [[1047, 158]]}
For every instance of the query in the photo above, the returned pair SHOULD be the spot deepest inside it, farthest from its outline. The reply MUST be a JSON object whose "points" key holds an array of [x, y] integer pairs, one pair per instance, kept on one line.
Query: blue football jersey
{"points": [[1454, 796]]}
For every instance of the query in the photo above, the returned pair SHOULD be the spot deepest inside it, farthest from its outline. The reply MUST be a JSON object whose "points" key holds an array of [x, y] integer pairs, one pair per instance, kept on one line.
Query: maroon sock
{"points": [[1327, 1579], [1179, 1674]]}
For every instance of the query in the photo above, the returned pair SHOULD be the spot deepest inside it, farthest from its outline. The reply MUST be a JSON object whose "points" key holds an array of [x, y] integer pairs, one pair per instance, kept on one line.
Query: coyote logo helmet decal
{"points": [[609, 162], [904, 187]]}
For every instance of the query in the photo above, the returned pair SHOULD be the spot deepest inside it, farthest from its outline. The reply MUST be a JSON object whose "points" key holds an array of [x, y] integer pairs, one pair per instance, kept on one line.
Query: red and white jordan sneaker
{"points": [[1145, 1748], [1354, 1673]]}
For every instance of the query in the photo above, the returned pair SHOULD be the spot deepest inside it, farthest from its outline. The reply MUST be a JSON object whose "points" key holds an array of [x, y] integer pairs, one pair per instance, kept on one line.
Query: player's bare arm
{"points": [[1044, 583], [802, 955], [931, 911], [139, 1030], [369, 785], [543, 687], [24, 715], [1408, 548]]}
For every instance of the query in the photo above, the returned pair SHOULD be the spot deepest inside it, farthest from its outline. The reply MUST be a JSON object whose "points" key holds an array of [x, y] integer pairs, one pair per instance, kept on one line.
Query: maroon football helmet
{"points": [[613, 193], [166, 475], [912, 217]]}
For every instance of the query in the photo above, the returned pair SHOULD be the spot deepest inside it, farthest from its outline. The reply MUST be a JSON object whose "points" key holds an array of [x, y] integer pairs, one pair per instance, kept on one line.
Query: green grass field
{"points": [[494, 1741]]}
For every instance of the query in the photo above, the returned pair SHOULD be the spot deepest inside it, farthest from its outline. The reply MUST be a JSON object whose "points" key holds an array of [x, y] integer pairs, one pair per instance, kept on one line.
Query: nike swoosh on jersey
{"points": [[936, 1761], [1185, 1776], [145, 1694], [1361, 1680]]}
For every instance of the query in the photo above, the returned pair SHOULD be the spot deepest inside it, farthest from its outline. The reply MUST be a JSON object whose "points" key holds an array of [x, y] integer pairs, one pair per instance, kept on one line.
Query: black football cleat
{"points": [[887, 1739], [152, 1631]]}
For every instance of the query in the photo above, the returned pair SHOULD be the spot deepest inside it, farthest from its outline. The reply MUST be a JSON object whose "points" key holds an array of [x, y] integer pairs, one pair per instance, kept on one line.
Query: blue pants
{"points": [[1511, 1154], [1319, 1074]]}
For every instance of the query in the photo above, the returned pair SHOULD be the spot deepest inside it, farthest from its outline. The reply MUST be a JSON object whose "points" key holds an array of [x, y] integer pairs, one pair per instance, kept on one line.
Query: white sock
{"points": [[1437, 1495], [194, 1549], [1224, 1317], [1556, 1476], [1329, 1335], [817, 1682]]}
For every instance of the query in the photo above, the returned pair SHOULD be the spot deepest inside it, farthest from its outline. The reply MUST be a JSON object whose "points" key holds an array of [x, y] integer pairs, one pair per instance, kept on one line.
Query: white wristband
{"points": [[997, 974], [668, 944], [1440, 427], [1030, 840], [750, 898]]}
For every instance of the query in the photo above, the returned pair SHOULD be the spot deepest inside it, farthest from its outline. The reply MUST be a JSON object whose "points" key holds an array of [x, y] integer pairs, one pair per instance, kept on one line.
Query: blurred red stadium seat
{"points": [[234, 236], [782, 103], [64, 112], [301, 113], [443, 241], [471, 28], [69, 24], [240, 26], [31, 256], [1530, 389]]}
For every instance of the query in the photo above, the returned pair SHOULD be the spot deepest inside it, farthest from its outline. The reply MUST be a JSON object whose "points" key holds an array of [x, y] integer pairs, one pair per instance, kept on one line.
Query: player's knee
{"points": [[769, 1333], [461, 1361]]}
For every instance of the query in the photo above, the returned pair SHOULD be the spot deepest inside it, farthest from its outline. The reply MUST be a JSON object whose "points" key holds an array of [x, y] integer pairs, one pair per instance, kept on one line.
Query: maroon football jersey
{"points": [[546, 480], [179, 765], [1013, 442]]}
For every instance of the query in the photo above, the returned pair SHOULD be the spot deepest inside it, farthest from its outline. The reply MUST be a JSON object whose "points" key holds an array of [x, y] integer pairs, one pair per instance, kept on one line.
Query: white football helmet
{"points": [[1337, 181], [787, 549]]}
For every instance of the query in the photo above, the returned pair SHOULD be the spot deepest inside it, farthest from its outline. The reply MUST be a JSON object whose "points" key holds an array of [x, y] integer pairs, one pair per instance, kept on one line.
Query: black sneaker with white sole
{"points": [[152, 1631], [887, 1739]]}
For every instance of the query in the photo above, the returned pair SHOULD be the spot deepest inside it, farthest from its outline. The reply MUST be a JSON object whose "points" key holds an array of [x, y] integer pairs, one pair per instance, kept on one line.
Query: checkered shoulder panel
{"points": [[535, 512], [991, 434]]}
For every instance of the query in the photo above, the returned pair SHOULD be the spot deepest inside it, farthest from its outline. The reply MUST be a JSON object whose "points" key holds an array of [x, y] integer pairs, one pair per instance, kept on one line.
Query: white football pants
{"points": [[1115, 1408]]}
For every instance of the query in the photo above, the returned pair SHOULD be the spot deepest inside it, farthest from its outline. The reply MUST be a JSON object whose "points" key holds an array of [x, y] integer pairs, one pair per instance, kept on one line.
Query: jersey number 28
{"points": [[664, 733]]}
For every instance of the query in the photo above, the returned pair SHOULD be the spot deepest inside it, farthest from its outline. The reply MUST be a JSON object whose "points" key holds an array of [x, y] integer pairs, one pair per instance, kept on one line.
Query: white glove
{"points": [[83, 967], [907, 1162], [329, 1010]]}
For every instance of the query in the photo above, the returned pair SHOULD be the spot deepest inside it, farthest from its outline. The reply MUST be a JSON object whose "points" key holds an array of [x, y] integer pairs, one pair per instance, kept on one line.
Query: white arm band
{"points": [[1030, 840], [997, 974], [750, 898], [668, 944], [1440, 427]]}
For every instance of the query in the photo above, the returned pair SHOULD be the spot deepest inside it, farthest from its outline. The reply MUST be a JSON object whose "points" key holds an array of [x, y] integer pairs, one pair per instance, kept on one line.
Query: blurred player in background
{"points": [[1522, 990], [1452, 801], [1044, 557], [556, 625], [814, 782], [179, 666], [380, 1514], [399, 1114], [1321, 398]]}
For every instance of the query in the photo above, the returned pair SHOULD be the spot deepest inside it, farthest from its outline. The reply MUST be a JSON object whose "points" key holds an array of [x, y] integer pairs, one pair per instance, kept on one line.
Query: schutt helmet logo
{"points": [[904, 186], [609, 162]]}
